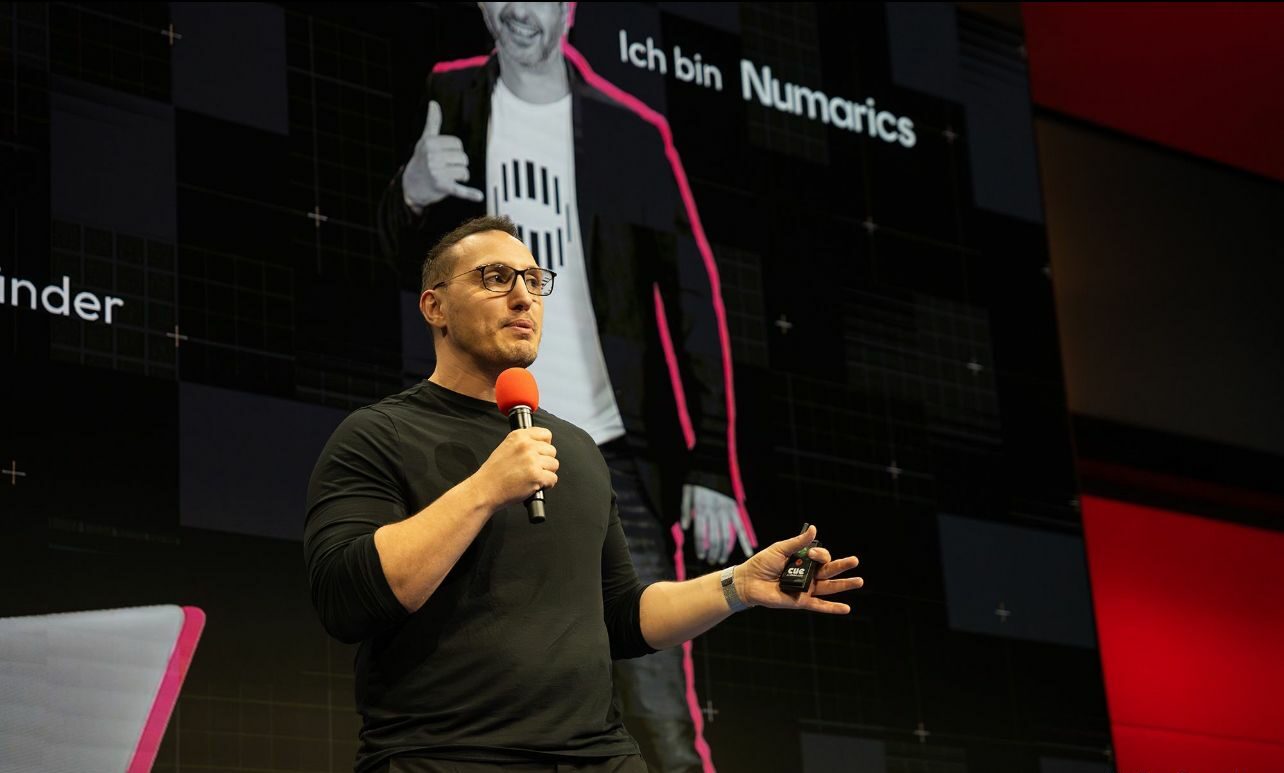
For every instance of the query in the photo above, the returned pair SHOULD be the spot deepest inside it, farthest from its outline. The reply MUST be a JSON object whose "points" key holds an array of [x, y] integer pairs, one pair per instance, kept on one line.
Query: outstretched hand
{"points": [[758, 579]]}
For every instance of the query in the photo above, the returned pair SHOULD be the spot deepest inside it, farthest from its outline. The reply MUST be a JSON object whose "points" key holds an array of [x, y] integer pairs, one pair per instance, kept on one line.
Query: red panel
{"points": [[1190, 616], [1205, 78], [1142, 750]]}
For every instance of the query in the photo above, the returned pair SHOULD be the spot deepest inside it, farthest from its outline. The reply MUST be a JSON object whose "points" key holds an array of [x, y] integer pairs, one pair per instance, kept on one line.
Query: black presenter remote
{"points": [[799, 569]]}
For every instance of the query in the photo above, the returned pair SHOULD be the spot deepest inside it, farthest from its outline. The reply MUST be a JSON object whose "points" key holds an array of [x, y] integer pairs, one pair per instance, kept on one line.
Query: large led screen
{"points": [[803, 242]]}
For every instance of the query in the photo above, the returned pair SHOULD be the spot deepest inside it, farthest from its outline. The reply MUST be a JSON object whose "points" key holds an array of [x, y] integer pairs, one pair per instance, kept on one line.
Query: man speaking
{"points": [[486, 640]]}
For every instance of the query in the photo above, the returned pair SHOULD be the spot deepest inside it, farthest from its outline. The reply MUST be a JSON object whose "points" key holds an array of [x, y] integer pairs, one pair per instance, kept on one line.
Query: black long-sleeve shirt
{"points": [[510, 658]]}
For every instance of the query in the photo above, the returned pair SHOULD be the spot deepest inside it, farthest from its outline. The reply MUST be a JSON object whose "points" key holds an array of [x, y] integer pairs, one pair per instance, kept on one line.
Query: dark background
{"points": [[894, 333]]}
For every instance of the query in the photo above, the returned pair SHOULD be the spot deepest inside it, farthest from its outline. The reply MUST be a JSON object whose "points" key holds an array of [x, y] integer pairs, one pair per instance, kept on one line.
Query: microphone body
{"points": [[519, 417]]}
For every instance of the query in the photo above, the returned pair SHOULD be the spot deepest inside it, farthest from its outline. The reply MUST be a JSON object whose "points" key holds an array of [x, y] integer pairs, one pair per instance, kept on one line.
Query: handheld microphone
{"points": [[518, 397]]}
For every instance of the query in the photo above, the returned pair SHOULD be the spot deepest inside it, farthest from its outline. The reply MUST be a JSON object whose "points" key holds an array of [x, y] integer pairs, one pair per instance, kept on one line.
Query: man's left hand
{"points": [[716, 521], [758, 579]]}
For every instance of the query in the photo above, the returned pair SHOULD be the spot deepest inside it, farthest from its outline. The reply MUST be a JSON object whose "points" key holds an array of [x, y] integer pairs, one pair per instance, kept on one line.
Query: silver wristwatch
{"points": [[729, 590]]}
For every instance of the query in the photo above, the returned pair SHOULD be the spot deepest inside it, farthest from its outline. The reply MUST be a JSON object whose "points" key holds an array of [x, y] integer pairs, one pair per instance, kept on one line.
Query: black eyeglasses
{"points": [[499, 278]]}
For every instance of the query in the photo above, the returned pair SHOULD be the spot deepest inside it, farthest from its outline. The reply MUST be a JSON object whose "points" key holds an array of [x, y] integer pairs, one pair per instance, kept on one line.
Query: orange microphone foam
{"points": [[514, 387]]}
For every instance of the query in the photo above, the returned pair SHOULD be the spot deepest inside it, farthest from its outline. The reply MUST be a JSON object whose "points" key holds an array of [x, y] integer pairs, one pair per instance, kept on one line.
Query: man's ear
{"points": [[432, 309]]}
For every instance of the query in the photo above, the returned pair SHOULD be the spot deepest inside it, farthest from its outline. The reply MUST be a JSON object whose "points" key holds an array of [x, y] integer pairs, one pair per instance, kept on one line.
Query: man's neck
{"points": [[464, 383], [466, 378], [540, 86]]}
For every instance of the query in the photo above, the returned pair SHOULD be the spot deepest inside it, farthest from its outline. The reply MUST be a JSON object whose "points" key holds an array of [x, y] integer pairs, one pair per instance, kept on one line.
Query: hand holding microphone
{"points": [[526, 462]]}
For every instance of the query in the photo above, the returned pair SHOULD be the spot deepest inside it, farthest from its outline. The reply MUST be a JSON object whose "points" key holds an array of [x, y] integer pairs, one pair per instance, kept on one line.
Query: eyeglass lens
{"points": [[500, 279]]}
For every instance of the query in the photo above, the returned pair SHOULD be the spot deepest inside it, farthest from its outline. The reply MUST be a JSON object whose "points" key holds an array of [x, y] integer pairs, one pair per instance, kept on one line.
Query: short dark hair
{"points": [[437, 264]]}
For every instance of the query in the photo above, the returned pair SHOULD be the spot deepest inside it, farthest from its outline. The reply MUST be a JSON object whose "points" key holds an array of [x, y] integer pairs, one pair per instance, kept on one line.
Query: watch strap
{"points": [[729, 590]]}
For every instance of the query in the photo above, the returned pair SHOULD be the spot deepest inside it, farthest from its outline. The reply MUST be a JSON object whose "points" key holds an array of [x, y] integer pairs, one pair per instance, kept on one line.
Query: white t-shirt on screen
{"points": [[530, 176]]}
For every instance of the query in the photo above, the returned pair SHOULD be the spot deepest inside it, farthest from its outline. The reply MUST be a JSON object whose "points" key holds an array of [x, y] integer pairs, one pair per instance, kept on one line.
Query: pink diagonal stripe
{"points": [[179, 660], [460, 64], [675, 378], [688, 666]]}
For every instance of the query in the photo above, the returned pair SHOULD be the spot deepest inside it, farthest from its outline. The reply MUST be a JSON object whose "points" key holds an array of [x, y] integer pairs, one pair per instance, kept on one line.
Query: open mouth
{"points": [[522, 33]]}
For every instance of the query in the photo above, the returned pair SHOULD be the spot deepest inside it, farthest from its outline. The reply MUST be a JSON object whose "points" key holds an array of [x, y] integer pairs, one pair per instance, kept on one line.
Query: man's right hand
{"points": [[521, 465], [437, 168], [417, 553]]}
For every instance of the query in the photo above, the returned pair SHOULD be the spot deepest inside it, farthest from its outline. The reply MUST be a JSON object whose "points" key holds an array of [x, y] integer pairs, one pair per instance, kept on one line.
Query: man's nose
{"points": [[518, 11], [520, 296]]}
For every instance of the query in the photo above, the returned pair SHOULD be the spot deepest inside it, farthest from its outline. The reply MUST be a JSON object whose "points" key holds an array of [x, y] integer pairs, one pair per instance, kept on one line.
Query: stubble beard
{"points": [[536, 59], [521, 354], [494, 353]]}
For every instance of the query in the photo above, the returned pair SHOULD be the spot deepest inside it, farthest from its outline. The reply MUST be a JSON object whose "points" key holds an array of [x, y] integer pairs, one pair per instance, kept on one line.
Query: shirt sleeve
{"points": [[621, 594], [355, 489]]}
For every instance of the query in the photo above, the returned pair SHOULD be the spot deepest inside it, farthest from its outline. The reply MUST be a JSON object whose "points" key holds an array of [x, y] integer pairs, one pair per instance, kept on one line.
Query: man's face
{"points": [[495, 330], [527, 33]]}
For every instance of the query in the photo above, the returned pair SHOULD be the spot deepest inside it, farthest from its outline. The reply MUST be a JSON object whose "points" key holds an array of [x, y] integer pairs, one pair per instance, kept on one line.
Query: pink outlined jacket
{"points": [[651, 272]]}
